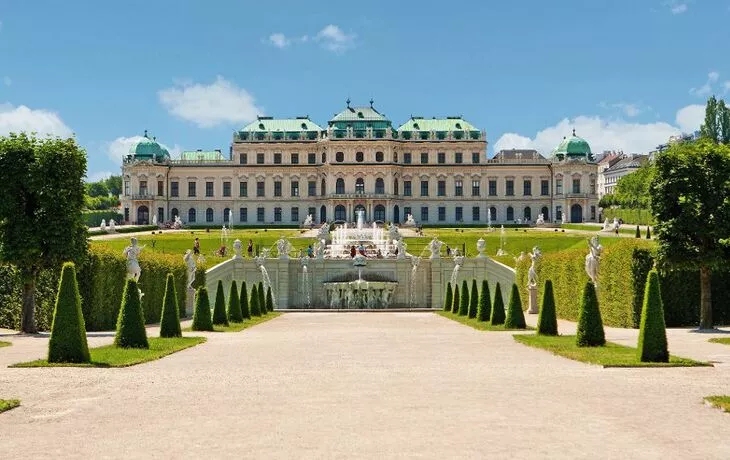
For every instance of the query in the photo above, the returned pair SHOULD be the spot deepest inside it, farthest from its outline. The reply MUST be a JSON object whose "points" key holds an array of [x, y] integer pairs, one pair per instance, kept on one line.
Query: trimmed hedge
{"points": [[653, 335], [262, 298], [474, 301], [202, 321], [547, 322], [515, 316], [630, 216], [269, 299], [170, 317], [457, 300], [68, 334], [11, 299], [245, 312], [219, 310], [497, 307], [130, 324], [590, 327], [485, 303], [234, 305], [93, 218], [254, 303], [464, 299], [449, 301]]}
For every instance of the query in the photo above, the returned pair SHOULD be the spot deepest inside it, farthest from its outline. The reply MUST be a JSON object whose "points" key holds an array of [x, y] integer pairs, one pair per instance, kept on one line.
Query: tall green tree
{"points": [[690, 204], [710, 129], [114, 185], [724, 122], [42, 190]]}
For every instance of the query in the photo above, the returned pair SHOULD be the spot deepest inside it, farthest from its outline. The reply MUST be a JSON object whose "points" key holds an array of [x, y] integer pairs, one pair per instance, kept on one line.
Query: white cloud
{"points": [[41, 121], [119, 148], [678, 8], [7, 81], [726, 87], [279, 40], [607, 134], [220, 102], [98, 175], [334, 39], [706, 89]]}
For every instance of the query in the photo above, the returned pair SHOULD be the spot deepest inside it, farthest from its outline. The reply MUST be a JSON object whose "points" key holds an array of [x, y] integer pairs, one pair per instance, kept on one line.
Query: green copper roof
{"points": [[358, 114], [299, 124], [573, 146], [148, 149], [201, 155], [437, 124]]}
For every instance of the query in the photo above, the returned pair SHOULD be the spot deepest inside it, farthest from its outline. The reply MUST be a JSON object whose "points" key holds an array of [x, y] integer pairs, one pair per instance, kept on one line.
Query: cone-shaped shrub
{"points": [[269, 299], [464, 299], [254, 303], [648, 232], [219, 310], [590, 325], [638, 232], [515, 316], [653, 333], [498, 307], [170, 317], [130, 323], [449, 300], [262, 298], [474, 300], [234, 305], [68, 332], [547, 321], [202, 320], [245, 312], [457, 300], [484, 310]]}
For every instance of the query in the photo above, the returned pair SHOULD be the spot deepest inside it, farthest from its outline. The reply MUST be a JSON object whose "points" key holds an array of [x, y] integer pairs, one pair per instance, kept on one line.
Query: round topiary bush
{"points": [[245, 312], [457, 300], [219, 310], [254, 303], [449, 300], [464, 299], [234, 305], [498, 307], [68, 332], [590, 325], [130, 323], [515, 316], [547, 321], [202, 321], [269, 300], [653, 334], [474, 300], [170, 316], [484, 310]]}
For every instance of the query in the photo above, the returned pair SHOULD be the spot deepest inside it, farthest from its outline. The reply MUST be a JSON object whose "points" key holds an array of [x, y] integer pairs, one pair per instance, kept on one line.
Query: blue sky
{"points": [[627, 74]]}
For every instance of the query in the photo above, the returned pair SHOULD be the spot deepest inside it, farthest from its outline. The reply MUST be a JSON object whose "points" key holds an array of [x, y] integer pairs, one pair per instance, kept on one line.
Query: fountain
{"points": [[489, 220], [308, 222], [372, 239], [265, 274], [540, 220], [305, 288], [502, 241], [154, 219], [360, 292], [415, 261], [177, 225]]}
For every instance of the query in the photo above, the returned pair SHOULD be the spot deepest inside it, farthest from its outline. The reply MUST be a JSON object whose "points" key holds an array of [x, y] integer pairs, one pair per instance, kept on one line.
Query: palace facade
{"points": [[279, 170]]}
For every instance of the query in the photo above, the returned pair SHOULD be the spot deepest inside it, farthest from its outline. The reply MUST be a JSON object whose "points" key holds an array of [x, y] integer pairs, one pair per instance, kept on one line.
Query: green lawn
{"points": [[479, 325], [7, 404], [111, 356], [722, 340], [611, 355], [237, 327], [4, 344], [624, 230], [721, 402]]}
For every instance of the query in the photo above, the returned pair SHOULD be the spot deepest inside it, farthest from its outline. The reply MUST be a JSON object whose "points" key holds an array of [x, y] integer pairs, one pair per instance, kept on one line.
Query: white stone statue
{"points": [[458, 260], [393, 232], [112, 226], [102, 226], [131, 252], [481, 246], [616, 224], [540, 220], [401, 247], [593, 259], [435, 247], [532, 272], [324, 232], [607, 227], [178, 223], [319, 247], [154, 219], [410, 221], [521, 257], [308, 221], [237, 247], [283, 247], [190, 263]]}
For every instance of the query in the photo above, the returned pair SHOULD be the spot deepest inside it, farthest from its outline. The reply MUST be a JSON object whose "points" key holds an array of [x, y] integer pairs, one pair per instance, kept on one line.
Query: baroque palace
{"points": [[279, 170]]}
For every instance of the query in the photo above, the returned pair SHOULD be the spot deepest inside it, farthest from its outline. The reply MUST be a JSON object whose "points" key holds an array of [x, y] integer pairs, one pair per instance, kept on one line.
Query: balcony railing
{"points": [[142, 196], [381, 196]]}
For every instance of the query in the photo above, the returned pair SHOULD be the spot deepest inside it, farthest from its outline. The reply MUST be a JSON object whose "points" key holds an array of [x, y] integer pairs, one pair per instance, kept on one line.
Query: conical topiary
{"points": [[245, 312], [590, 325], [648, 232], [464, 299], [234, 305], [457, 300], [653, 334], [254, 302], [269, 300], [474, 300], [449, 300], [484, 310], [547, 321], [515, 316], [219, 310], [170, 316], [638, 232], [202, 321], [68, 332], [130, 323], [497, 307], [262, 298]]}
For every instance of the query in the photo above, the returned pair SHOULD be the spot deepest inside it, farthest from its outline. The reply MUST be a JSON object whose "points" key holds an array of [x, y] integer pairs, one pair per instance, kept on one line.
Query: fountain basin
{"points": [[359, 294]]}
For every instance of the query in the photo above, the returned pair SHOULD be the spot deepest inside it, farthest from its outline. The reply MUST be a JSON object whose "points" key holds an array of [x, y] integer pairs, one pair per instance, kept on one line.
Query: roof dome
{"points": [[573, 147], [149, 149]]}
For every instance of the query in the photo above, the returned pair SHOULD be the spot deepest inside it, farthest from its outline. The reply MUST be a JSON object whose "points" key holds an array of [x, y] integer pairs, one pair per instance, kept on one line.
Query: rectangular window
{"points": [[544, 187], [126, 214], [277, 158], [260, 158], [226, 188], [259, 214], [312, 188], [475, 214], [407, 211], [407, 188], [243, 189], [260, 188], [143, 187], [295, 158], [559, 212], [277, 188], [311, 158], [424, 157], [475, 157], [442, 213], [126, 188], [295, 214], [476, 188], [294, 188], [459, 188], [160, 188], [576, 185], [277, 214], [441, 157], [527, 187], [424, 214], [243, 159], [458, 158], [593, 186], [209, 189], [510, 187], [459, 213], [558, 187], [407, 158], [243, 214], [593, 213], [492, 188], [441, 188], [191, 188], [424, 188], [175, 188]]}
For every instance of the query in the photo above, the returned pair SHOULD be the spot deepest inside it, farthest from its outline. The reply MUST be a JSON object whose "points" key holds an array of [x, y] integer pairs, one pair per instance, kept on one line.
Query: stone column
{"points": [[533, 306]]}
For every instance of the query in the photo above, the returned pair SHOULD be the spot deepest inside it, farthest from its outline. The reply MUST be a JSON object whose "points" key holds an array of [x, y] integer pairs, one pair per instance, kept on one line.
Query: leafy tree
{"points": [[474, 302], [254, 303], [130, 323], [202, 321], [95, 189], [42, 190], [245, 312], [515, 316], [464, 301], [498, 307], [590, 325], [724, 120], [692, 211], [170, 316], [449, 301], [68, 333], [234, 305], [484, 310], [219, 309], [114, 185], [632, 190], [652, 332], [457, 300], [547, 321], [710, 129]]}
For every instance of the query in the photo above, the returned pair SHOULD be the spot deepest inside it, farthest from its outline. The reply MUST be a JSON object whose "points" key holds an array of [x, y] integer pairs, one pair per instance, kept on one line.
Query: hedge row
{"points": [[630, 216], [93, 218], [624, 268]]}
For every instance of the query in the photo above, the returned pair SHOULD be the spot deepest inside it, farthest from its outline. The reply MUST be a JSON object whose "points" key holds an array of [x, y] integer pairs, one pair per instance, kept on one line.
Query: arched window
{"points": [[545, 213], [379, 187], [339, 157], [323, 190], [379, 212], [493, 214], [379, 157], [359, 157], [360, 185], [174, 213], [191, 215], [528, 213], [510, 213], [324, 157], [395, 187], [209, 215], [227, 215], [340, 186], [340, 212]]}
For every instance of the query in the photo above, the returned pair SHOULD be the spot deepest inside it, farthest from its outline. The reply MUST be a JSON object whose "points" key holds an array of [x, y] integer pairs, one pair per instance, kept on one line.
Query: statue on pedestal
{"points": [[237, 247], [481, 246], [435, 247], [532, 272], [593, 259], [191, 267], [131, 252]]}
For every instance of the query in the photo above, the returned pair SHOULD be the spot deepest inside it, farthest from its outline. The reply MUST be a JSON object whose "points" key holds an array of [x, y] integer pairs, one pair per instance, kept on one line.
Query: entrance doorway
{"points": [[576, 213], [143, 215]]}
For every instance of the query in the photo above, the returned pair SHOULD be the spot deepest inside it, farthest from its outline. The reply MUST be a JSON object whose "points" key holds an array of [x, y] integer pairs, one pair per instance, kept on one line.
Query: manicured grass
{"points": [[721, 402], [7, 404], [626, 229], [111, 356], [610, 355], [722, 340], [237, 327], [479, 325], [4, 344]]}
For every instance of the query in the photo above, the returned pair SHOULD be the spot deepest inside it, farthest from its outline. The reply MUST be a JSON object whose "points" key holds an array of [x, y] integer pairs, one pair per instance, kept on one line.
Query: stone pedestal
{"points": [[533, 306], [189, 302]]}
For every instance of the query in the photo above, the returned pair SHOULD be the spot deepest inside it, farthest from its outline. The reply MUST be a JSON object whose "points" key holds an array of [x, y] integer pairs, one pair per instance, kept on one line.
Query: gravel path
{"points": [[363, 385]]}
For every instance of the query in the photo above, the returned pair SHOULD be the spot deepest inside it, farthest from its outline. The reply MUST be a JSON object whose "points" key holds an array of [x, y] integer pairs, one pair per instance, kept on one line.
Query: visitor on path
{"points": [[352, 251], [249, 250], [448, 250], [310, 251], [196, 247]]}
